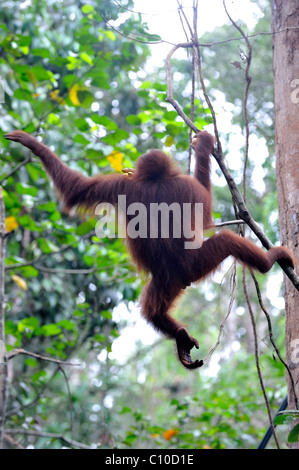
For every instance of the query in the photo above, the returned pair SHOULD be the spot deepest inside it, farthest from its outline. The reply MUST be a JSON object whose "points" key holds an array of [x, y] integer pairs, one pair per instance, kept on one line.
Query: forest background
{"points": [[84, 369]]}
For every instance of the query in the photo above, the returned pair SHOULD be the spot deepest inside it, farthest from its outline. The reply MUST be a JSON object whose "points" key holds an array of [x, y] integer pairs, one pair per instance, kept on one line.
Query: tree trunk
{"points": [[285, 18]]}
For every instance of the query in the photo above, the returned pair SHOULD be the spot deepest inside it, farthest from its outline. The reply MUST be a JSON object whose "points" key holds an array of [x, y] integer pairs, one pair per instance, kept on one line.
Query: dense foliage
{"points": [[69, 77]]}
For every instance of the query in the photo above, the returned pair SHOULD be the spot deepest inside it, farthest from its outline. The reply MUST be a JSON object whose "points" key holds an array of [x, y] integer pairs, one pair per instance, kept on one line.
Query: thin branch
{"points": [[70, 401], [132, 34], [239, 38], [13, 442], [192, 108], [229, 222], [18, 351], [256, 352], [272, 337], [181, 20], [50, 435], [248, 59], [16, 168], [169, 97], [221, 327], [15, 411], [43, 255], [182, 12], [66, 271], [3, 358]]}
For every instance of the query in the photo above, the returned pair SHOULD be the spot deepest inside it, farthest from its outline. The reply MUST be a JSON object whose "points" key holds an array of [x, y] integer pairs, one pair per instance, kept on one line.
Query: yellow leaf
{"points": [[18, 280], [169, 141], [73, 94], [116, 160], [169, 434], [10, 223], [55, 96]]}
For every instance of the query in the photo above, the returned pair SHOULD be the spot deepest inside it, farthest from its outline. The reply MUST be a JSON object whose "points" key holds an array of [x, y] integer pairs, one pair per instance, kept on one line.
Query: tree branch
{"points": [[3, 358], [16, 168], [18, 351], [50, 435], [256, 353]]}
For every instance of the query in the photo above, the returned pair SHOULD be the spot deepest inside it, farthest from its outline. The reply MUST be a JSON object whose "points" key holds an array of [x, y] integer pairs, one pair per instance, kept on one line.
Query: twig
{"points": [[50, 435], [169, 97], [272, 338], [16, 352], [181, 19], [66, 271], [126, 36], [3, 358], [229, 222], [16, 168], [182, 12], [221, 327], [43, 255], [70, 401], [239, 38], [12, 441], [256, 352], [245, 98]]}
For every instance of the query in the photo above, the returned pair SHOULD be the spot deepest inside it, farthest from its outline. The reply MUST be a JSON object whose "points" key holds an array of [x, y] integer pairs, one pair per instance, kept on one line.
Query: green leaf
{"points": [[54, 119], [82, 124], [100, 338], [286, 416], [40, 73], [28, 271], [26, 189], [115, 137], [46, 245], [67, 325], [133, 120], [87, 9], [160, 86], [85, 227], [31, 362], [29, 323], [38, 375], [47, 206], [40, 52], [125, 409], [24, 40], [49, 330], [294, 434], [22, 94], [88, 260], [28, 223], [80, 139], [84, 56], [55, 216], [106, 314], [104, 121], [69, 79], [145, 85]]}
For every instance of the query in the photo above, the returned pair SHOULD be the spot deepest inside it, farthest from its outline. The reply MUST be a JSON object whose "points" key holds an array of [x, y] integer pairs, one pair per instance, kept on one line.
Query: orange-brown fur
{"points": [[172, 267]]}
